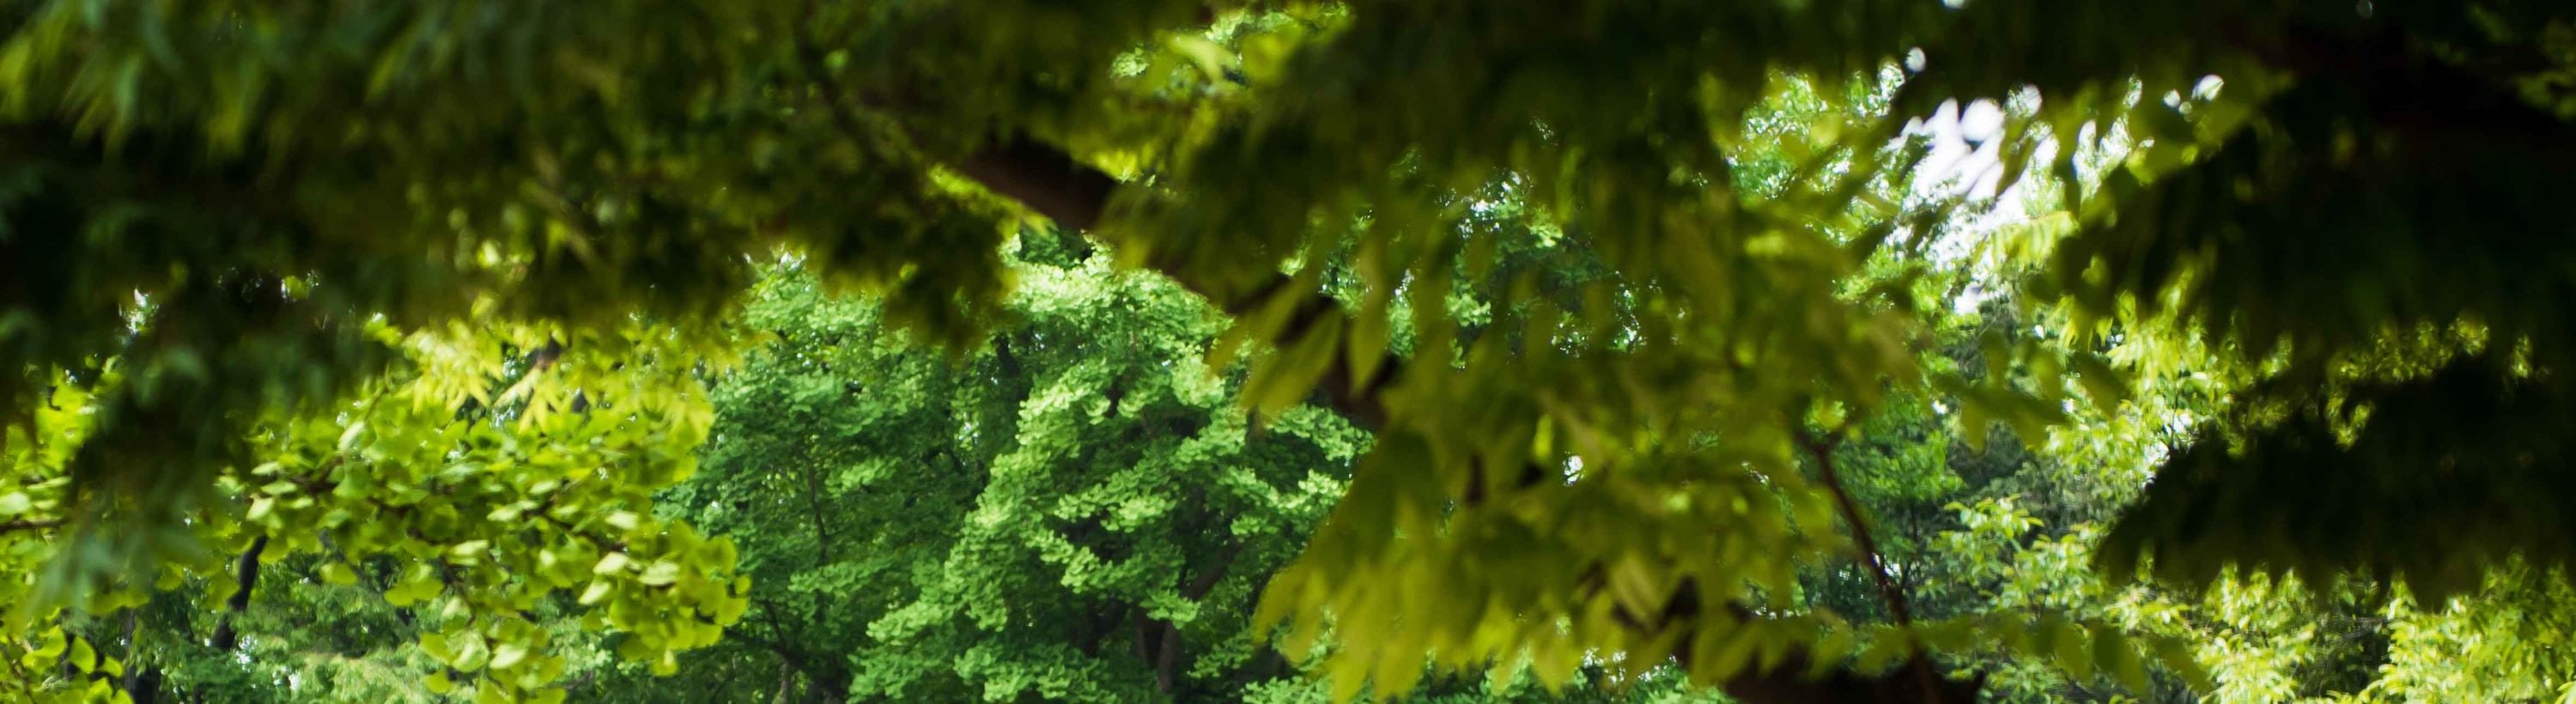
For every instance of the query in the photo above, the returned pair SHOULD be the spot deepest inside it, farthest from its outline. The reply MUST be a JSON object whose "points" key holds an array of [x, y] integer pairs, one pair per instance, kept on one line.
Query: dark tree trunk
{"points": [[247, 571]]}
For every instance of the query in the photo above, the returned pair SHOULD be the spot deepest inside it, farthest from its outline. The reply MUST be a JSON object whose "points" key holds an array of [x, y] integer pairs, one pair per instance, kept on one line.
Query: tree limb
{"points": [[1822, 451], [1055, 184], [246, 570], [1044, 178], [133, 668]]}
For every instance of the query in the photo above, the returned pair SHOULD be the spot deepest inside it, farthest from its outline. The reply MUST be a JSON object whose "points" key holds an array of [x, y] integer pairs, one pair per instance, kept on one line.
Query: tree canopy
{"points": [[1599, 341]]}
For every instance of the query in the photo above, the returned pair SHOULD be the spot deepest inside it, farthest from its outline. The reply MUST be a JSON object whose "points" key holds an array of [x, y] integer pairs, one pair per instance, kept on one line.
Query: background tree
{"points": [[1076, 510]]}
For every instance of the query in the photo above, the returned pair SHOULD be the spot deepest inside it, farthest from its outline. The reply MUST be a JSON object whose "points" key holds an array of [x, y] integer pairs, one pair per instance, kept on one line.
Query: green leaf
{"points": [[1207, 55], [661, 573], [2176, 655], [508, 655], [2114, 655], [471, 653], [82, 656], [2104, 385], [349, 437], [598, 590], [2067, 643], [437, 646]]}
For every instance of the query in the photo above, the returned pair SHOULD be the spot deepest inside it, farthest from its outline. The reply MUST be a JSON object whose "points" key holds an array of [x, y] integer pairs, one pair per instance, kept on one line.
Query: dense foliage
{"points": [[948, 528], [442, 349]]}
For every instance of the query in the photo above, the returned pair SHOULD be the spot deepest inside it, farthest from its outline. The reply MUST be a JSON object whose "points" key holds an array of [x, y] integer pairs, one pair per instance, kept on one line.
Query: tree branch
{"points": [[1053, 183], [133, 668], [1044, 178], [246, 570], [1168, 655], [1822, 451]]}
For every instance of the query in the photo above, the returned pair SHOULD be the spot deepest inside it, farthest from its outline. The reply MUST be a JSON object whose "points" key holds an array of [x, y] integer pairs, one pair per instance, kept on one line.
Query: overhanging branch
{"points": [[1053, 183]]}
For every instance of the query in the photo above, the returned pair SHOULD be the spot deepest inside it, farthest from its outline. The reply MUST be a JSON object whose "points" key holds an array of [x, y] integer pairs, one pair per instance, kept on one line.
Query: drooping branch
{"points": [[1055, 184], [1359, 400]]}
